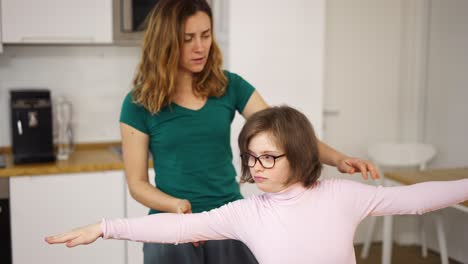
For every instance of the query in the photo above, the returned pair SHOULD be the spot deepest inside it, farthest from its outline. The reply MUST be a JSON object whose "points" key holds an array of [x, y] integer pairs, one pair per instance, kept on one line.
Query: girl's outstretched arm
{"points": [[420, 198], [225, 222]]}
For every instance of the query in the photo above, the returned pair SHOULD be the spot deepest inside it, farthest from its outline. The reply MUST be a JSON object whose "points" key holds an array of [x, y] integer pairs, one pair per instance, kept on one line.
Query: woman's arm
{"points": [[328, 155], [254, 104], [135, 156], [346, 164]]}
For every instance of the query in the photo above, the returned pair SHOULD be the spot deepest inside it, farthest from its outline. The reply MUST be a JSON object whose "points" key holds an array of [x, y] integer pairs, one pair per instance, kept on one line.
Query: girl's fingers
{"points": [[76, 241], [62, 238]]}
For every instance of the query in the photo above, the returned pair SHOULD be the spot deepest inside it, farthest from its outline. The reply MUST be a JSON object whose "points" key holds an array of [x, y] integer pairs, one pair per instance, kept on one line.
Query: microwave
{"points": [[128, 19]]}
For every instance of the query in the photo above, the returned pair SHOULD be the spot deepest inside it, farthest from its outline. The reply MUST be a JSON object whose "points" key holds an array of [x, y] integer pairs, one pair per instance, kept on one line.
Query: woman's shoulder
{"points": [[130, 105], [237, 85], [232, 76]]}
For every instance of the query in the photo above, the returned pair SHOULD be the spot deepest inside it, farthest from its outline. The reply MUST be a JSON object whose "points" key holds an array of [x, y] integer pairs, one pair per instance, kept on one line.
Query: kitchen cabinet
{"points": [[135, 209], [1, 44], [57, 21], [51, 204]]}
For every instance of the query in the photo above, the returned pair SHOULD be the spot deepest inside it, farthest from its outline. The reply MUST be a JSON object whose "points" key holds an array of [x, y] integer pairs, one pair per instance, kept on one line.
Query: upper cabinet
{"points": [[56, 21], [1, 45]]}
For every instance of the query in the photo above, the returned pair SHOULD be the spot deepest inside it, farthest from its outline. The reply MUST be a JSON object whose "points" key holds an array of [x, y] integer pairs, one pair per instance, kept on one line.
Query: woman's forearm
{"points": [[151, 197], [328, 155]]}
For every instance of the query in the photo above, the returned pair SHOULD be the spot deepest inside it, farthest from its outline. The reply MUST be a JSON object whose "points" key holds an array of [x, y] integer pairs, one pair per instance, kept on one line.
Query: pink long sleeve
{"points": [[412, 199], [316, 223], [177, 228]]}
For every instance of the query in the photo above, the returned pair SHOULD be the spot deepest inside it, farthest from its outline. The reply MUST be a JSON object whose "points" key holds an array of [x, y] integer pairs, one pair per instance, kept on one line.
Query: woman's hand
{"points": [[183, 206], [353, 165], [80, 236]]}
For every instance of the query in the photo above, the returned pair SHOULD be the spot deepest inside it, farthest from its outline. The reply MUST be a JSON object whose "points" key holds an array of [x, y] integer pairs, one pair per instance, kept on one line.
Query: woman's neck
{"points": [[184, 82]]}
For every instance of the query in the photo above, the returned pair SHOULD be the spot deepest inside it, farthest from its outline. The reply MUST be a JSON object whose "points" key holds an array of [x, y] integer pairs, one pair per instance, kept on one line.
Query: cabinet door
{"points": [[135, 209], [47, 205], [57, 21], [1, 41]]}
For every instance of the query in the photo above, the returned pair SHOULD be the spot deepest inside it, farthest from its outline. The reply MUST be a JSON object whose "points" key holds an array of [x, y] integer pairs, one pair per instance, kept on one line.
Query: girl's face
{"points": [[274, 179], [196, 43]]}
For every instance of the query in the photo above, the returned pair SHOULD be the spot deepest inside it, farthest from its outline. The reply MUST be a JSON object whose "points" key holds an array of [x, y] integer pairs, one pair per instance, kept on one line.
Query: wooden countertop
{"points": [[412, 177], [85, 158]]}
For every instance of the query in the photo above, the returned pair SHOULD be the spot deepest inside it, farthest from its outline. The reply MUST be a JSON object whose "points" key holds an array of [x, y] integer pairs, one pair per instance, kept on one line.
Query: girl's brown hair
{"points": [[155, 79], [292, 132]]}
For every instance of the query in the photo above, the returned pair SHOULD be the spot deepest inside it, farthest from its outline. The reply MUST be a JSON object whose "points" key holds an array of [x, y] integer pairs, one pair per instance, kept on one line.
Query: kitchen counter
{"points": [[85, 158]]}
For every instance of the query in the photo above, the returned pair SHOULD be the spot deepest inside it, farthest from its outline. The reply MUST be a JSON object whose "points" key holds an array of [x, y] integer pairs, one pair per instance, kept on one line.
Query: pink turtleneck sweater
{"points": [[296, 225]]}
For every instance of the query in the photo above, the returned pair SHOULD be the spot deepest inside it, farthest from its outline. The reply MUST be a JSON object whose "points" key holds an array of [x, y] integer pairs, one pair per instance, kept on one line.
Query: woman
{"points": [[316, 220], [181, 109]]}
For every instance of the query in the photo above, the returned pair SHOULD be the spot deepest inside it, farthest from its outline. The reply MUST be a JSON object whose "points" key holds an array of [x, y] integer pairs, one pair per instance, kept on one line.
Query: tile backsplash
{"points": [[94, 78]]}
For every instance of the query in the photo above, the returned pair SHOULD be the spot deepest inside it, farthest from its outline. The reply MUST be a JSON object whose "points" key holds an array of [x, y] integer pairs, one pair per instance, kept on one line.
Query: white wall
{"points": [[447, 90], [95, 79], [368, 44]]}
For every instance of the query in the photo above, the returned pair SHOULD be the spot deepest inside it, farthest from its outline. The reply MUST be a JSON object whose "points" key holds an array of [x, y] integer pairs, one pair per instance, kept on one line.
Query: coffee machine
{"points": [[31, 126]]}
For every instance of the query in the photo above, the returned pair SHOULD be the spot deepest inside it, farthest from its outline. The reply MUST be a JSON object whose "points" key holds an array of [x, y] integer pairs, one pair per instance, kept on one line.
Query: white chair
{"points": [[402, 155]]}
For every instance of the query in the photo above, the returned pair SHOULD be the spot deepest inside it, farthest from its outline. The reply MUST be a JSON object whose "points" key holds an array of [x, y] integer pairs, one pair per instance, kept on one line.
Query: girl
{"points": [[181, 109], [316, 220]]}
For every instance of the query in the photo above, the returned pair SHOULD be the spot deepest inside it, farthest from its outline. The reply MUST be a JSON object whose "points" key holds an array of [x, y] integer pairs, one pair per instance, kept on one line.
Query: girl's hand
{"points": [[80, 236], [353, 165]]}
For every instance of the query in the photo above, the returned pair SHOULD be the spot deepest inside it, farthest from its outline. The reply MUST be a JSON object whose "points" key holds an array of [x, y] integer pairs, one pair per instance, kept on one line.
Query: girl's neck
{"points": [[289, 194]]}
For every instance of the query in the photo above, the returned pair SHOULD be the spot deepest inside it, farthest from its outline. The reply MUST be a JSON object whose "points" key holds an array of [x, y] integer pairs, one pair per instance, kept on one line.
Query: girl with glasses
{"points": [[316, 219]]}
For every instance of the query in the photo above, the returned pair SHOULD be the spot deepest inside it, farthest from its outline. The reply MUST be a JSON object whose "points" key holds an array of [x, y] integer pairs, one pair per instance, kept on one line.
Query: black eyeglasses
{"points": [[266, 160]]}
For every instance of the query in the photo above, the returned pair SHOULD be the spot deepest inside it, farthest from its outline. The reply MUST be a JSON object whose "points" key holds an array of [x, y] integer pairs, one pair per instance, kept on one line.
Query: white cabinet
{"points": [[135, 209], [47, 205], [57, 21], [1, 44]]}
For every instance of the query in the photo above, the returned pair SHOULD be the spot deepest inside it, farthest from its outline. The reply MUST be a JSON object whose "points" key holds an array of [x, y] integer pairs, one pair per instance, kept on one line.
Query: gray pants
{"points": [[212, 252]]}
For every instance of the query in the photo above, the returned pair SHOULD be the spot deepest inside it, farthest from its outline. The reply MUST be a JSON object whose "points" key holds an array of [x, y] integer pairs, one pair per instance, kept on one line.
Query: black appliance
{"points": [[5, 233], [31, 126]]}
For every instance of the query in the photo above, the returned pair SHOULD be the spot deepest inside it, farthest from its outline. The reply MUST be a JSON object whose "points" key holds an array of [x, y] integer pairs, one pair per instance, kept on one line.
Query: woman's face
{"points": [[196, 43], [274, 179]]}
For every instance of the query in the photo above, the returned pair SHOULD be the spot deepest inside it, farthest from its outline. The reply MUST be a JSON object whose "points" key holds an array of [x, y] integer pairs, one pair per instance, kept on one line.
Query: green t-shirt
{"points": [[191, 149]]}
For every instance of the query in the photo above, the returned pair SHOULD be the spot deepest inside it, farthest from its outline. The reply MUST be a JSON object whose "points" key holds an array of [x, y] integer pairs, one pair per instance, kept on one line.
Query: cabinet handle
{"points": [[46, 39], [331, 112], [20, 127], [127, 16]]}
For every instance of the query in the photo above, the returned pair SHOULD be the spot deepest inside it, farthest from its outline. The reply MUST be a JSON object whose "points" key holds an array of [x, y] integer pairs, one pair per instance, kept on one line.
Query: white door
{"points": [[361, 74], [277, 46], [361, 77]]}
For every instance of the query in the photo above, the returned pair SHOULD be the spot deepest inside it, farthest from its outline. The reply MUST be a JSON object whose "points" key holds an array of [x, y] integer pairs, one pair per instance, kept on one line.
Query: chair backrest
{"points": [[401, 154]]}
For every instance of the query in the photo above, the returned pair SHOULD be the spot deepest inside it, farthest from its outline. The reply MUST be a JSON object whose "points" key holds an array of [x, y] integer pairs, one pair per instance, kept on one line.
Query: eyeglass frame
{"points": [[257, 158]]}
